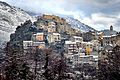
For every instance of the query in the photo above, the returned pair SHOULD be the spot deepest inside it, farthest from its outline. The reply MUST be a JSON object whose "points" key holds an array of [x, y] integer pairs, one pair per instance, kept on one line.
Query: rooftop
{"points": [[56, 34], [27, 41], [77, 37], [109, 36], [39, 34], [70, 42], [38, 42]]}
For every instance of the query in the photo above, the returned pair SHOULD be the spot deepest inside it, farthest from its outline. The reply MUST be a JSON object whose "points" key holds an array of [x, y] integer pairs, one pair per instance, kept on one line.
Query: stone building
{"points": [[38, 37], [112, 40], [68, 28], [71, 47], [29, 46], [55, 18], [99, 35], [51, 27], [77, 38], [53, 37], [43, 27], [89, 48], [40, 45], [61, 28], [96, 45], [75, 60]]}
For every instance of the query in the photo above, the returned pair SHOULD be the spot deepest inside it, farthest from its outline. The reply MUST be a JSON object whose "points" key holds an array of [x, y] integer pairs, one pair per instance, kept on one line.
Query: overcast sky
{"points": [[99, 14]]}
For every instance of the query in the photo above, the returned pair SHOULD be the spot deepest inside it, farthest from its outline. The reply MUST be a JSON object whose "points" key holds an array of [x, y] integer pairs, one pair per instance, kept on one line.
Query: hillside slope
{"points": [[78, 25], [10, 18]]}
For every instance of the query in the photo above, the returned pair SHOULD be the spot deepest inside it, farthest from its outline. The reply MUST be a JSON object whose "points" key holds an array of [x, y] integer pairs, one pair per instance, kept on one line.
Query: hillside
{"points": [[78, 25], [107, 32], [10, 18]]}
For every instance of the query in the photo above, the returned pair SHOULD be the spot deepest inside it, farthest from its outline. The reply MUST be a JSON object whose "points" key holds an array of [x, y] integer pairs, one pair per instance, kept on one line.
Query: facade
{"points": [[40, 45], [68, 28], [43, 27], [73, 31], [99, 35], [61, 28], [77, 45], [96, 45], [77, 38], [38, 37], [55, 18], [28, 46], [51, 27], [89, 48], [75, 60], [71, 46], [53, 37], [109, 40]]}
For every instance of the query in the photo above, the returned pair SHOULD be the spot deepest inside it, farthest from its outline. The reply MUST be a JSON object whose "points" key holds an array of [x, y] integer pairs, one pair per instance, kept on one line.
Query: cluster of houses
{"points": [[77, 51], [80, 52], [39, 40]]}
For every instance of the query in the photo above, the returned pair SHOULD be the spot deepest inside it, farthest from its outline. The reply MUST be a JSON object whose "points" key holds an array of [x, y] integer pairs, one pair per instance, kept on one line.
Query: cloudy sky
{"points": [[99, 14]]}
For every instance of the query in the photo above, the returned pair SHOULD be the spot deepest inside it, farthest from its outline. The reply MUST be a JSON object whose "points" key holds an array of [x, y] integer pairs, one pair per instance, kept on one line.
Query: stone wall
{"points": [[55, 18]]}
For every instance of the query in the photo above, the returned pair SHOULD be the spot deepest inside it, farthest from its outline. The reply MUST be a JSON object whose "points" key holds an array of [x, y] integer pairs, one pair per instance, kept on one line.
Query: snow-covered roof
{"points": [[70, 42], [99, 33], [52, 22], [70, 53], [94, 40], [78, 41], [93, 33], [111, 44], [83, 56], [95, 56], [77, 72], [109, 36], [80, 48], [113, 35], [89, 43], [40, 33], [56, 34], [27, 41], [89, 56], [106, 36], [38, 42], [84, 42], [75, 54], [77, 37]]}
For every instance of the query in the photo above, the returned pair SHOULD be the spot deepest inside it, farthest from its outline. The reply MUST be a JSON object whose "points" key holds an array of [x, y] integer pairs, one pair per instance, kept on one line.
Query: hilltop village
{"points": [[50, 31]]}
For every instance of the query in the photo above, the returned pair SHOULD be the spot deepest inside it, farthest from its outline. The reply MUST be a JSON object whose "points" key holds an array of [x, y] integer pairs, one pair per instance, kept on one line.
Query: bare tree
{"points": [[109, 68]]}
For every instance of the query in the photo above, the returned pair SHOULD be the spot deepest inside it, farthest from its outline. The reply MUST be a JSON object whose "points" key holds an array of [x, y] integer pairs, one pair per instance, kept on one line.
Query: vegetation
{"points": [[16, 70], [55, 67], [109, 68]]}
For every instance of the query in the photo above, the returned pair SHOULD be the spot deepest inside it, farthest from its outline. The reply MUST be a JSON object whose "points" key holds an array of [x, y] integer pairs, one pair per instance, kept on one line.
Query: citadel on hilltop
{"points": [[50, 31], [49, 47]]}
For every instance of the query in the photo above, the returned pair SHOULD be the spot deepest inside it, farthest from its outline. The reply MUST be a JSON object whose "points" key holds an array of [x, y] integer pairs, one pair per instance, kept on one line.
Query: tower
{"points": [[111, 30]]}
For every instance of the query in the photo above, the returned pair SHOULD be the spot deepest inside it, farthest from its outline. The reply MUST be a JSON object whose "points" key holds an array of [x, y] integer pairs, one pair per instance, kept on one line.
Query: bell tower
{"points": [[111, 30]]}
